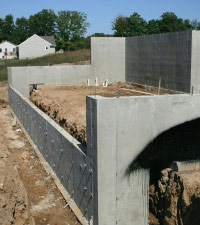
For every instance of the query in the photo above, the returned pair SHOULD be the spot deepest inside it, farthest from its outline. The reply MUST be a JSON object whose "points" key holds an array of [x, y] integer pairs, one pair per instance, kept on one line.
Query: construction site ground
{"points": [[28, 194], [67, 104]]}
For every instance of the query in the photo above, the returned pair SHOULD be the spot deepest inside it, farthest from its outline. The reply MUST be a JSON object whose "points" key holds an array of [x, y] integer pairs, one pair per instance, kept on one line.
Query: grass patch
{"points": [[66, 57]]}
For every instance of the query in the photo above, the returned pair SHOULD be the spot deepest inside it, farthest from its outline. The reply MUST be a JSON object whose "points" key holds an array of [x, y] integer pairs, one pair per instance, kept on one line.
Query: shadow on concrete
{"points": [[179, 143]]}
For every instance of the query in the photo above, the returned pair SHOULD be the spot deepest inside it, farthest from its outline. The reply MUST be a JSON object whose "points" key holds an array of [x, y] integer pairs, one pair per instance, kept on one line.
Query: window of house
{"points": [[13, 49], [51, 46], [5, 49], [0, 49], [46, 48]]}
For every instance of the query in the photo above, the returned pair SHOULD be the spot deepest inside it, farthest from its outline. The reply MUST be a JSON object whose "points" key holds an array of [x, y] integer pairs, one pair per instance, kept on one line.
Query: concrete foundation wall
{"points": [[65, 155], [108, 58], [165, 56], [122, 128], [21, 77], [108, 62], [195, 67]]}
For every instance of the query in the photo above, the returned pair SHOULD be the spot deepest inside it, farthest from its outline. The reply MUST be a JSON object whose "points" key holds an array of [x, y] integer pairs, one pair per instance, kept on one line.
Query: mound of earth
{"points": [[175, 199]]}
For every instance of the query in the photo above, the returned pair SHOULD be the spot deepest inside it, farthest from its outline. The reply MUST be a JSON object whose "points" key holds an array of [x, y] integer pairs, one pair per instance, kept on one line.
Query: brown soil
{"points": [[175, 199], [28, 195], [67, 104]]}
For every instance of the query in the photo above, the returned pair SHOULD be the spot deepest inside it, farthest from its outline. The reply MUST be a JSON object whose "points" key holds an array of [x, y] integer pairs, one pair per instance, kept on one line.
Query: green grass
{"points": [[66, 57]]}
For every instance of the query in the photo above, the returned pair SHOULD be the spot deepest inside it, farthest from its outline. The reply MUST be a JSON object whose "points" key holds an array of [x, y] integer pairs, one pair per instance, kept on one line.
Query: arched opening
{"points": [[178, 144]]}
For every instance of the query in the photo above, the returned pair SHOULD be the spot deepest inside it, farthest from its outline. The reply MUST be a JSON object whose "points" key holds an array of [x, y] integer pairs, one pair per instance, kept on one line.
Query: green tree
{"points": [[22, 30], [170, 23], [7, 27], [134, 25], [71, 25], [1, 29], [43, 23], [153, 27], [119, 25]]}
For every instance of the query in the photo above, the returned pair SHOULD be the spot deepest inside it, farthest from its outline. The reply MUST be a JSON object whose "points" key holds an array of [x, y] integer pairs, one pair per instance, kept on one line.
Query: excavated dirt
{"points": [[67, 104], [175, 199], [28, 195]]}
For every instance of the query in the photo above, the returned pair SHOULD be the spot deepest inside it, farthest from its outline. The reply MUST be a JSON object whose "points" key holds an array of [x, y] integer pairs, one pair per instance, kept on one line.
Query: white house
{"points": [[36, 46], [8, 50]]}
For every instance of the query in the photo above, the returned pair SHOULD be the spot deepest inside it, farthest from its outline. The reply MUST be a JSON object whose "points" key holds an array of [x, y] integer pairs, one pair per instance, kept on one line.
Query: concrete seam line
{"points": [[48, 169]]}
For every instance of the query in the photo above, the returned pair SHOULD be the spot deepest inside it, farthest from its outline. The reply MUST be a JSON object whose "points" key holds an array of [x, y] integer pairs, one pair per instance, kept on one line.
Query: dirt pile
{"points": [[63, 114], [175, 199]]}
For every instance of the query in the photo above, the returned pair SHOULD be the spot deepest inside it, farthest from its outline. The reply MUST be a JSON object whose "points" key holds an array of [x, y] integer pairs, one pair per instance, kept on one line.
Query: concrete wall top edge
{"points": [[108, 38], [78, 146], [98, 97], [164, 34], [61, 66]]}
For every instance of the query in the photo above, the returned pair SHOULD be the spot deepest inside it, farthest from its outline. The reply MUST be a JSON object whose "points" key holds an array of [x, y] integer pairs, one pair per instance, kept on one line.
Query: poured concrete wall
{"points": [[108, 62], [21, 77], [165, 56], [65, 155], [108, 58], [122, 128], [195, 67]]}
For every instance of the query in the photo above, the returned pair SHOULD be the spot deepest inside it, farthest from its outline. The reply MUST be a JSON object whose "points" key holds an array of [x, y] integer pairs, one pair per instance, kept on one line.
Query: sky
{"points": [[100, 14]]}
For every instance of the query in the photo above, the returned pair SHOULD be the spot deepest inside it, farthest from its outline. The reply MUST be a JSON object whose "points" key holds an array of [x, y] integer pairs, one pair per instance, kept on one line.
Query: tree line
{"points": [[135, 25], [70, 27]]}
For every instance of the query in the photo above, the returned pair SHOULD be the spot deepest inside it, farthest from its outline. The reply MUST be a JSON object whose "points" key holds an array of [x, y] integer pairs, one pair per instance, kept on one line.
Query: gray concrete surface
{"points": [[121, 129], [166, 56], [195, 66], [108, 58]]}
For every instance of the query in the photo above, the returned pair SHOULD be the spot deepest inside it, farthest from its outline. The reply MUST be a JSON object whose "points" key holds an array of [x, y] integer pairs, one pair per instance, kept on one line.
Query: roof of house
{"points": [[8, 42], [50, 39]]}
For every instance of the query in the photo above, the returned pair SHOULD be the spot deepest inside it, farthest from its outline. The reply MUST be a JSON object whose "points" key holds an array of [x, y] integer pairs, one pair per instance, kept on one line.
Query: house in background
{"points": [[37, 46], [8, 50]]}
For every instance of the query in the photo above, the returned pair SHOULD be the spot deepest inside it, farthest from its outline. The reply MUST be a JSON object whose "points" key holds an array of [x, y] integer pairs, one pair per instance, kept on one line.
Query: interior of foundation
{"points": [[66, 105]]}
